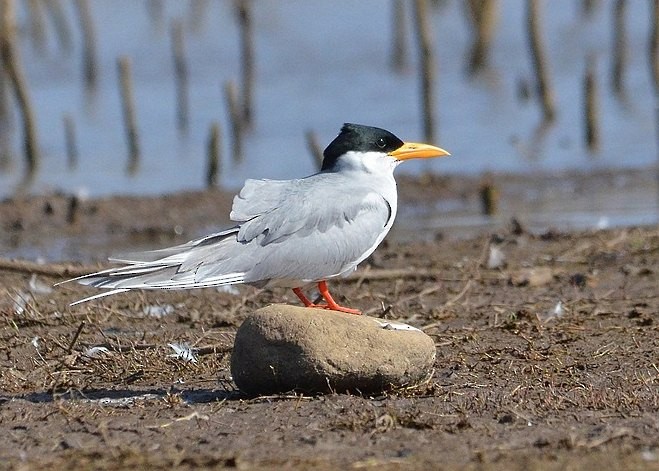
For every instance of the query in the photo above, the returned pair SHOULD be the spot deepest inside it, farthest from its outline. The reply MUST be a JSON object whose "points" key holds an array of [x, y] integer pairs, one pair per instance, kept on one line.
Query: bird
{"points": [[287, 233]]}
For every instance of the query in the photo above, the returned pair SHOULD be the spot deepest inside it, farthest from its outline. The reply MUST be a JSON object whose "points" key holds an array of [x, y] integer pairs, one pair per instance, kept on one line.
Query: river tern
{"points": [[288, 233]]}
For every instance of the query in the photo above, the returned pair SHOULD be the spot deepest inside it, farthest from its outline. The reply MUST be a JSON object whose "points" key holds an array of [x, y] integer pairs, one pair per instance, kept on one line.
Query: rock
{"points": [[282, 348]]}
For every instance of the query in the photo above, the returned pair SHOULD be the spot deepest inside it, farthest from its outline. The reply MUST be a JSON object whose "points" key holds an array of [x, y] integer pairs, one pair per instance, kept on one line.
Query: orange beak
{"points": [[413, 150]]}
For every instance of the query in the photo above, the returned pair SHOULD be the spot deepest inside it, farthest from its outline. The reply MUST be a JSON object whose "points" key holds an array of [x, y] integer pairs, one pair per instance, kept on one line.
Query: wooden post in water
{"points": [[61, 24], [14, 72], [656, 136], [591, 105], [653, 46], [427, 70], [619, 48], [489, 195], [588, 7], [181, 77], [6, 123], [399, 58], [213, 153], [70, 142], [198, 14], [314, 147], [72, 207], [37, 25], [543, 85], [156, 10], [128, 109], [483, 17], [235, 119], [89, 62], [5, 113], [244, 11]]}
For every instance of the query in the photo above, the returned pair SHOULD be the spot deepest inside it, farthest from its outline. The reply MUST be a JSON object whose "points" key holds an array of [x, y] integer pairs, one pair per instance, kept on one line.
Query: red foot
{"points": [[324, 292]]}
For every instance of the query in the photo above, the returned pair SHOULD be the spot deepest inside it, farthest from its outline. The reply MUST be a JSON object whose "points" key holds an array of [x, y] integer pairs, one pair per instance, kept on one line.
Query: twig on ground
{"points": [[55, 270], [75, 338], [462, 292]]}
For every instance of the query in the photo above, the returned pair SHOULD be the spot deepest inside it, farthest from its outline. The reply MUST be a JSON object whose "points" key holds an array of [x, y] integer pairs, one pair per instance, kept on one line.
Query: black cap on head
{"points": [[359, 138]]}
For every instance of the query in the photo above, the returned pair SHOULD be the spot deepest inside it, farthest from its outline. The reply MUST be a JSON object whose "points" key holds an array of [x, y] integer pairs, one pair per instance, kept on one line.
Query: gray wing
{"points": [[278, 209], [309, 229], [298, 230]]}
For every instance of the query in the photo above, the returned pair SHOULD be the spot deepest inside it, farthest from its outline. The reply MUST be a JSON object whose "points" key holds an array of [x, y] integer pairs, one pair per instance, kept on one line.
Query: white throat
{"points": [[370, 162]]}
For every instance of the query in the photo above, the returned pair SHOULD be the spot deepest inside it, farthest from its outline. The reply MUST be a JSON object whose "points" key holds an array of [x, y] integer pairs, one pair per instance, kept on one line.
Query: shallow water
{"points": [[320, 64]]}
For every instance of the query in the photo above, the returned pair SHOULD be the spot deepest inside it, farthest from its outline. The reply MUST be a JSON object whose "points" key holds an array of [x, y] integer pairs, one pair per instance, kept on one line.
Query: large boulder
{"points": [[283, 348]]}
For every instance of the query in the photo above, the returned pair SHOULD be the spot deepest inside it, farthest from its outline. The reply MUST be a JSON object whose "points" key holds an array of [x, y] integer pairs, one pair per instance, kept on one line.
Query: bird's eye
{"points": [[381, 143]]}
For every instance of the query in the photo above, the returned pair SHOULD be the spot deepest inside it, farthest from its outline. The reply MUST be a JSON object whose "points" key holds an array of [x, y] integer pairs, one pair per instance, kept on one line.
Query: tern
{"points": [[288, 233]]}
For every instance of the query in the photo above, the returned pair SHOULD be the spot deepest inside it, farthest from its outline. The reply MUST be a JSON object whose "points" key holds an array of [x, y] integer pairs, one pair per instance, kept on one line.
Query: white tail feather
{"points": [[100, 295]]}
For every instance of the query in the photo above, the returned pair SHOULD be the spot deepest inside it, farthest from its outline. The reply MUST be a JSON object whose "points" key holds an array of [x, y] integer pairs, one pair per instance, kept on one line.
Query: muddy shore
{"points": [[546, 343]]}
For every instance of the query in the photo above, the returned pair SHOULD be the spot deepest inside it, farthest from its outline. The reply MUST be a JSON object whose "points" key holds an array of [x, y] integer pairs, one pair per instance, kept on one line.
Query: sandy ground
{"points": [[546, 354]]}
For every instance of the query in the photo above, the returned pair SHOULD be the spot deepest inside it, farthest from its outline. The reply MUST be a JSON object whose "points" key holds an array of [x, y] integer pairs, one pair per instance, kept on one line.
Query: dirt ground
{"points": [[547, 354]]}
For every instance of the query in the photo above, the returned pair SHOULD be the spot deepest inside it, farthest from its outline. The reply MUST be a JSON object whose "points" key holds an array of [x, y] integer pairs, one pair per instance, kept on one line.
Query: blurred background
{"points": [[107, 97]]}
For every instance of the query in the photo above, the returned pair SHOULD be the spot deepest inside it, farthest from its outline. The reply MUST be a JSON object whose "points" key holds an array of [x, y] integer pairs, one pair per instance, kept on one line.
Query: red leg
{"points": [[298, 292], [331, 304]]}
